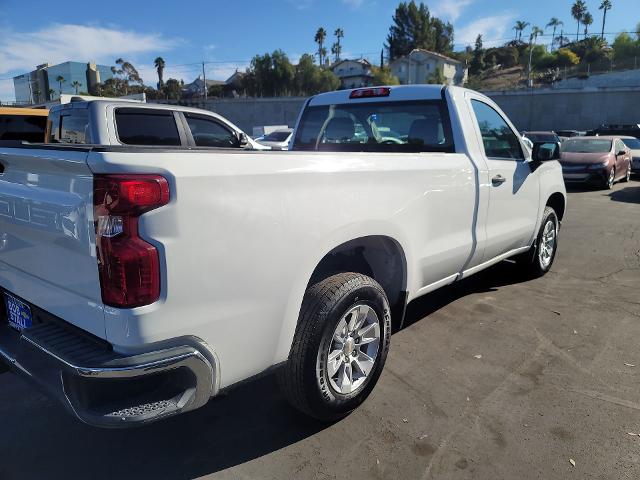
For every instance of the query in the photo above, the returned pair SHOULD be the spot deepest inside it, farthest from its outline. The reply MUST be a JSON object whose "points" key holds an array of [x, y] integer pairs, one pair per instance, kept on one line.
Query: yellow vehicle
{"points": [[26, 124]]}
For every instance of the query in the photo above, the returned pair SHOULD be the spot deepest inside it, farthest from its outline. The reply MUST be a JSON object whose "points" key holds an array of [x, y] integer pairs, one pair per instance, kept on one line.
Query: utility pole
{"points": [[204, 80]]}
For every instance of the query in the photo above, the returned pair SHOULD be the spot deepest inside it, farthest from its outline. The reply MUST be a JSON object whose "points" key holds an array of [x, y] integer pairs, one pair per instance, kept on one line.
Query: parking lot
{"points": [[491, 378]]}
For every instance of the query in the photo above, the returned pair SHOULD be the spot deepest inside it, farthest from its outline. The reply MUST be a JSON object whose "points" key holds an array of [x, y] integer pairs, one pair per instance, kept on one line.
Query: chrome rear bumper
{"points": [[105, 389]]}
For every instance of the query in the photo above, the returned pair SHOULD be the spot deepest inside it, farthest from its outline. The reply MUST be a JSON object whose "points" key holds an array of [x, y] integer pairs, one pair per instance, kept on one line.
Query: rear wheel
{"points": [[611, 179], [627, 177], [538, 260], [339, 348]]}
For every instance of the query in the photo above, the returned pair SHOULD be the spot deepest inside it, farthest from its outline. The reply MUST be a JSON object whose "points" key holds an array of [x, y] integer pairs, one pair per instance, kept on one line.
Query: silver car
{"points": [[634, 145]]}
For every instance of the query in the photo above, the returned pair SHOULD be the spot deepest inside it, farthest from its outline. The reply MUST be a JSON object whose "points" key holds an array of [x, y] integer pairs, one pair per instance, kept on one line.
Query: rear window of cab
{"points": [[403, 126]]}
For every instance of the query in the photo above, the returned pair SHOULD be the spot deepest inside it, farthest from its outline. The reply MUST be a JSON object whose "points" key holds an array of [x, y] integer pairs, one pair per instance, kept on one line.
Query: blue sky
{"points": [[228, 34]]}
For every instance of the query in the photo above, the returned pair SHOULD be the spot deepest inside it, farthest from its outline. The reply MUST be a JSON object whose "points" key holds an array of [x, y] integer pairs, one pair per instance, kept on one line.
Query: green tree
{"points": [[60, 79], [554, 23], [270, 75], [414, 27], [437, 77], [624, 47], [586, 21], [76, 84], [519, 28], [50, 92], [383, 76], [160, 64], [321, 36], [173, 89], [477, 61], [283, 73], [578, 9], [310, 79], [36, 94]]}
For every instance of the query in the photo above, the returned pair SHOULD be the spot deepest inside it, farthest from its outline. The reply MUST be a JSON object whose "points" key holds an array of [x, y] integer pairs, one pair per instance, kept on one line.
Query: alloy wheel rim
{"points": [[628, 173], [354, 349], [612, 177], [547, 244]]}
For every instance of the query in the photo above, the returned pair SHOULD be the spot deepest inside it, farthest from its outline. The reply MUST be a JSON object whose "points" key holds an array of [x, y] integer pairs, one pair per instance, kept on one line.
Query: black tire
{"points": [[531, 263], [627, 177], [303, 379], [610, 180]]}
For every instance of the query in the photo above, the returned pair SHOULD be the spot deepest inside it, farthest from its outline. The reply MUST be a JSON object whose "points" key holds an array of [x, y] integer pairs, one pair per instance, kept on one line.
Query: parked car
{"points": [[626, 129], [27, 124], [633, 144], [569, 133], [541, 137], [147, 279], [595, 160], [278, 140], [147, 124]]}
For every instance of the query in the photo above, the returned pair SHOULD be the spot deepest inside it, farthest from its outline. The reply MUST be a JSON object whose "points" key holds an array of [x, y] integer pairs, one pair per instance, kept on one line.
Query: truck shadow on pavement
{"points": [[626, 195], [40, 440]]}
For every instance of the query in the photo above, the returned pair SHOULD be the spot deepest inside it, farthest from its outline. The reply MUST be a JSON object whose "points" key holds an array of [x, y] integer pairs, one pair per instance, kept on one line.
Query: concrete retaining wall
{"points": [[582, 109], [569, 109], [247, 113]]}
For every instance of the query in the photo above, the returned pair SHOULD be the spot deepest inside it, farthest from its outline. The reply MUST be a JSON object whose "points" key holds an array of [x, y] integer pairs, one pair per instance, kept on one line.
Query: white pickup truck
{"points": [[140, 280]]}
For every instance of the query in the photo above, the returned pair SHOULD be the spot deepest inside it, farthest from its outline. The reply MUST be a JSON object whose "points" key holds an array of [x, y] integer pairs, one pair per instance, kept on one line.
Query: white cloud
{"points": [[450, 9], [22, 51], [492, 29]]}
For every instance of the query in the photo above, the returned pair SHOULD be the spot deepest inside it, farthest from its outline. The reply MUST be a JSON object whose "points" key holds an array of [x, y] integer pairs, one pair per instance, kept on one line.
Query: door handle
{"points": [[498, 180]]}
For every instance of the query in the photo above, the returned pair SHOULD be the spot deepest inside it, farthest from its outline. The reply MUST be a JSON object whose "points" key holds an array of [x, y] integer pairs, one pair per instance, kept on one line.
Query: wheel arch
{"points": [[377, 256], [558, 202], [381, 256]]}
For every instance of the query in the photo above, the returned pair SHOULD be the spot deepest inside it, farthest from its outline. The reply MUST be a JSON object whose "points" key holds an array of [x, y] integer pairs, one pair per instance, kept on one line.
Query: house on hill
{"points": [[420, 65], [353, 73]]}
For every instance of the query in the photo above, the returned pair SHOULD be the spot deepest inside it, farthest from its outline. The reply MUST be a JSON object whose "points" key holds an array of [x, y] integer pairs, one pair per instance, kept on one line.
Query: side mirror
{"points": [[243, 140], [621, 152], [545, 151]]}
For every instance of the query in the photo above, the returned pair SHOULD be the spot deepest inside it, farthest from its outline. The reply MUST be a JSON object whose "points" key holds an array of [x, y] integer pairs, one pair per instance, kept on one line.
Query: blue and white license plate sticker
{"points": [[18, 313]]}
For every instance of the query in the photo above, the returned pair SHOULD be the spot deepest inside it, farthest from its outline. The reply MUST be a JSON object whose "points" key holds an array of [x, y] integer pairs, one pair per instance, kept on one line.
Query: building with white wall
{"points": [[420, 65], [353, 73]]}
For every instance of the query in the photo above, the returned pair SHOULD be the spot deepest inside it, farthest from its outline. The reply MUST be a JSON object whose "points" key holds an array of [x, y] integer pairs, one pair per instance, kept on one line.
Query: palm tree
{"points": [[519, 27], [76, 84], [159, 63], [323, 54], [336, 49], [578, 9], [555, 23], [320, 37], [36, 94], [51, 91], [60, 79], [605, 6], [586, 21], [535, 31]]}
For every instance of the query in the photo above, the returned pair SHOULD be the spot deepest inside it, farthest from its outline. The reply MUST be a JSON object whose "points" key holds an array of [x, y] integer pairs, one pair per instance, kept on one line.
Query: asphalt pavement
{"points": [[492, 378]]}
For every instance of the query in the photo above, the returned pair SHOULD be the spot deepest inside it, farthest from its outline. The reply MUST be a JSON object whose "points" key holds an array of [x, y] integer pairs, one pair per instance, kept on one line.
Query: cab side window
{"points": [[497, 137], [207, 132]]}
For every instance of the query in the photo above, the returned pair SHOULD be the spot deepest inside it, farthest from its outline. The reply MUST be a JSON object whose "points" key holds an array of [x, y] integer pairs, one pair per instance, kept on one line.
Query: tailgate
{"points": [[47, 238]]}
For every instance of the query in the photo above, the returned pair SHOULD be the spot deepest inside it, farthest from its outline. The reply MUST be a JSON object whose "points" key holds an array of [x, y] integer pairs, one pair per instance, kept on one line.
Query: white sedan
{"points": [[278, 140]]}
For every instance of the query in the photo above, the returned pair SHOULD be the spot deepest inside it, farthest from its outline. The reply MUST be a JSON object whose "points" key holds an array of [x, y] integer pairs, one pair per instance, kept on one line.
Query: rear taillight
{"points": [[129, 266]]}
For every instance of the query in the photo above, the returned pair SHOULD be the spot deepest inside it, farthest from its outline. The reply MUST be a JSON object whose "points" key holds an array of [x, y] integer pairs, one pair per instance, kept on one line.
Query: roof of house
{"points": [[362, 61], [198, 81], [429, 52]]}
